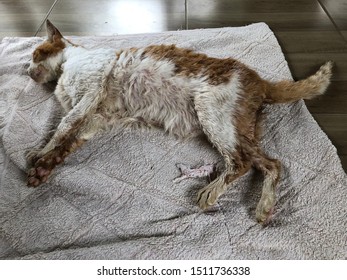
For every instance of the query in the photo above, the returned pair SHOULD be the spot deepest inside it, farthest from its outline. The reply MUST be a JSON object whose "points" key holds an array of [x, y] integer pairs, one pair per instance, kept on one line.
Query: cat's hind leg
{"points": [[271, 169], [209, 195], [215, 111]]}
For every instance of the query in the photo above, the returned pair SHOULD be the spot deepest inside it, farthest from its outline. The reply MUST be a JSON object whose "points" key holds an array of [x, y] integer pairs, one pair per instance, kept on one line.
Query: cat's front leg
{"points": [[54, 153], [78, 125], [61, 145]]}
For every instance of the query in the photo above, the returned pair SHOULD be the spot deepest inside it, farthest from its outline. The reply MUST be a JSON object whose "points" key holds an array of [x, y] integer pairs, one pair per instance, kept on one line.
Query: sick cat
{"points": [[183, 92]]}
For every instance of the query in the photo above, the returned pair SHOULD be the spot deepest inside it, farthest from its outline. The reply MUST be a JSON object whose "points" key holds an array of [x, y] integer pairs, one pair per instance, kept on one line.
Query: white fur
{"points": [[80, 90], [151, 91], [137, 87], [223, 97], [51, 65]]}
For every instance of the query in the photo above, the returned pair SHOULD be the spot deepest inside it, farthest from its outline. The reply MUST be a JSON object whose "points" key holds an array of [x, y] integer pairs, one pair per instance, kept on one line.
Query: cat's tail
{"points": [[289, 91]]}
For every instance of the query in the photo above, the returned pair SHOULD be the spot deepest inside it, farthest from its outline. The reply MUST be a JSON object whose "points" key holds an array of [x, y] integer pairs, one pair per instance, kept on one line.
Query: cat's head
{"points": [[45, 65]]}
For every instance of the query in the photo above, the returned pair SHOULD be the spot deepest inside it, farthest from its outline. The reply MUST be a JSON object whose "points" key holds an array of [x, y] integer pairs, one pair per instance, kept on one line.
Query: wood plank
{"points": [[308, 41], [254, 6], [27, 7], [344, 34], [118, 17], [22, 18], [279, 15], [304, 64], [334, 125], [334, 101], [277, 22], [337, 9]]}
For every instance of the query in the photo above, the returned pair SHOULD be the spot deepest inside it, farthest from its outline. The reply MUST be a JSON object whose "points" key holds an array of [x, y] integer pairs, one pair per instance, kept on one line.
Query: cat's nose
{"points": [[34, 73]]}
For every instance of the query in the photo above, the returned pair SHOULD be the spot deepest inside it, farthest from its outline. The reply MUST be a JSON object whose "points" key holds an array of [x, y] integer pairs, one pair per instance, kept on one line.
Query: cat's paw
{"points": [[208, 196], [264, 211], [42, 169], [37, 176]]}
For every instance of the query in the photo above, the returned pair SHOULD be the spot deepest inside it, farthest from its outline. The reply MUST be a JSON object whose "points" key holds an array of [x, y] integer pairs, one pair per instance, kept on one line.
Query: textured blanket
{"points": [[115, 197]]}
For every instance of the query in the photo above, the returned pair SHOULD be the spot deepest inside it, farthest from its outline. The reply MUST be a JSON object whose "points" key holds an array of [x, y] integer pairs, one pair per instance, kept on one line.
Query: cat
{"points": [[184, 92]]}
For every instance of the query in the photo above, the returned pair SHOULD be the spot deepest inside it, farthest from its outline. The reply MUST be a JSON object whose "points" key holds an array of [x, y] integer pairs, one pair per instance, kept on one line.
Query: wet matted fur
{"points": [[184, 92]]}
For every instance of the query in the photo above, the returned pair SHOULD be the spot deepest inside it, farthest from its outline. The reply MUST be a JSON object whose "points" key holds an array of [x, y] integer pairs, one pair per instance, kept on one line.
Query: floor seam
{"points": [[332, 20], [186, 14], [45, 18]]}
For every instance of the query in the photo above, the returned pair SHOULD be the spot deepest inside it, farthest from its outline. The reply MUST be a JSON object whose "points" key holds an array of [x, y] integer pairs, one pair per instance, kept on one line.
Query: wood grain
{"points": [[311, 41], [22, 18], [333, 101], [279, 15], [335, 127], [110, 17], [337, 9], [304, 64]]}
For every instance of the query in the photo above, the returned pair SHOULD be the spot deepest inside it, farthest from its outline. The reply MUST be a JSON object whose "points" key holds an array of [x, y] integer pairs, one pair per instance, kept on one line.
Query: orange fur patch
{"points": [[48, 49], [190, 63]]}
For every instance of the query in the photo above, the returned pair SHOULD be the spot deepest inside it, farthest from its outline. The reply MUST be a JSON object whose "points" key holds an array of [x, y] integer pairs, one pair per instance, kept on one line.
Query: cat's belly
{"points": [[169, 104], [152, 91]]}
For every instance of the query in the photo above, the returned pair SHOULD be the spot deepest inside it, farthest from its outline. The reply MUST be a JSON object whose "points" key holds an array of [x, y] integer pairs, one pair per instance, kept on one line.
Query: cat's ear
{"points": [[52, 32]]}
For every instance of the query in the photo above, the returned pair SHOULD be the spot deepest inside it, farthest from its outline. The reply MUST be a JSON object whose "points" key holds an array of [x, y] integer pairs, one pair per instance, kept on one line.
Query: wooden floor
{"points": [[310, 32]]}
